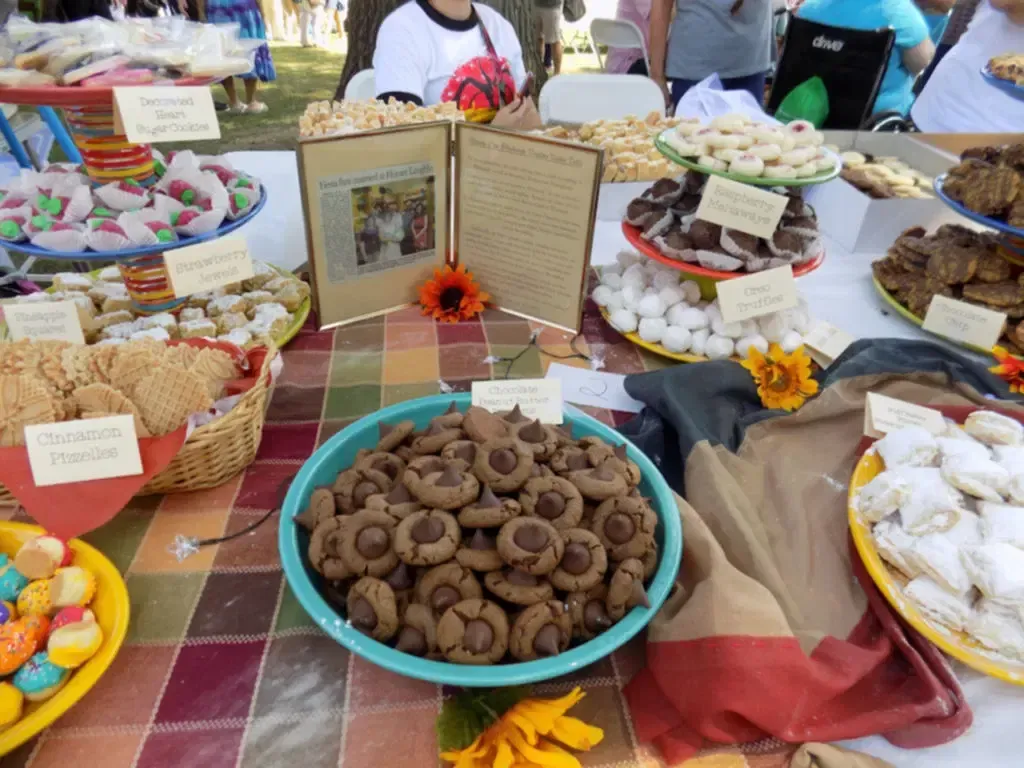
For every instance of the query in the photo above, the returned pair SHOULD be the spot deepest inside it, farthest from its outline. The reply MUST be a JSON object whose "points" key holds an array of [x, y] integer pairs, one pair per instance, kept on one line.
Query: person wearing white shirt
{"points": [[422, 42], [956, 98]]}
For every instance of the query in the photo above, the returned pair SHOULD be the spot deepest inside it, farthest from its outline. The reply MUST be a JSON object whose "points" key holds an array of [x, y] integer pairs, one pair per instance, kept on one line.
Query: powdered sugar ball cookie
{"points": [[691, 290], [664, 277], [601, 295], [652, 329], [699, 341], [623, 320], [757, 341], [614, 301], [671, 295], [651, 306], [719, 347], [676, 339]]}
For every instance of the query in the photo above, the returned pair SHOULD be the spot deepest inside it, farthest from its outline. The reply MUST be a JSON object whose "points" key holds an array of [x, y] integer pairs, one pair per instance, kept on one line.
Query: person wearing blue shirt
{"points": [[910, 55], [936, 16]]}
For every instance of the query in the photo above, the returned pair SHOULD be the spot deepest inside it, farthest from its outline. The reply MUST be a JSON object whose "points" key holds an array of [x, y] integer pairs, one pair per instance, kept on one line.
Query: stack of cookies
{"points": [[161, 386], [958, 263], [990, 181], [885, 177], [329, 118], [483, 536]]}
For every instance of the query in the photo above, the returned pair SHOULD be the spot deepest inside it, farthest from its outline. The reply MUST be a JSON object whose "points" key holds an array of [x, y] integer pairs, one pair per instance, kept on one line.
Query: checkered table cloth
{"points": [[222, 667]]}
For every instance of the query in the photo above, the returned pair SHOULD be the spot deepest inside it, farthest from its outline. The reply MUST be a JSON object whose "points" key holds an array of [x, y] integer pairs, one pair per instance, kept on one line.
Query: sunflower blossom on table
{"points": [[1010, 369], [452, 295], [526, 734], [783, 381]]}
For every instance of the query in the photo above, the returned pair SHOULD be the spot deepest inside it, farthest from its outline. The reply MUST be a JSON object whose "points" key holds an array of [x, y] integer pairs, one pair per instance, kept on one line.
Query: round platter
{"points": [[77, 96], [1017, 91], [906, 314], [759, 181], [1002, 226], [890, 583], [651, 346], [224, 229]]}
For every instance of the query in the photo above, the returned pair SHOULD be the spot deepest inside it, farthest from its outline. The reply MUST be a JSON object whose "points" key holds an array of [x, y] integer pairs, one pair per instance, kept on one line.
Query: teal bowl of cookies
{"points": [[483, 595]]}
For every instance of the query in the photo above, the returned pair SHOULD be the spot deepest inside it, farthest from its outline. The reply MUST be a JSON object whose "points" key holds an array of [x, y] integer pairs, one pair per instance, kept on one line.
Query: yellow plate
{"points": [[908, 315], [890, 583], [298, 317], [111, 607], [652, 347]]}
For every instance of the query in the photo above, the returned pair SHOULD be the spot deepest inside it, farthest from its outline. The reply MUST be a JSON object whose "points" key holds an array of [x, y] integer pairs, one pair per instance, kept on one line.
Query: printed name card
{"points": [[537, 398], [825, 343], [758, 294], [209, 265], [58, 321], [964, 322], [147, 115], [884, 414], [740, 206], [90, 449]]}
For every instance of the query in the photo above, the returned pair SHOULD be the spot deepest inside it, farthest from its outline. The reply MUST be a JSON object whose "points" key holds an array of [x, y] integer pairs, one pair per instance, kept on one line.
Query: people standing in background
{"points": [[547, 16], [247, 14], [956, 99], [420, 229], [730, 38], [630, 61], [311, 23], [910, 55]]}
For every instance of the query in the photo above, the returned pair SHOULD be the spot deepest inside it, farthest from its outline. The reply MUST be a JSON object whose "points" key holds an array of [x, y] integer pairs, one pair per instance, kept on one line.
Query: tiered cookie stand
{"points": [[109, 157]]}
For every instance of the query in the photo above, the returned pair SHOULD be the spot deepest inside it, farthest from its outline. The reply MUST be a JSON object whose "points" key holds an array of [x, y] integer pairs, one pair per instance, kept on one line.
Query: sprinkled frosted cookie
{"points": [[40, 678]]}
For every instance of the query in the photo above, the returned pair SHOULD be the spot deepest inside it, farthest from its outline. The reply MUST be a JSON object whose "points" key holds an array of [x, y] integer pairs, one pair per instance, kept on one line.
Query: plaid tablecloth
{"points": [[222, 667]]}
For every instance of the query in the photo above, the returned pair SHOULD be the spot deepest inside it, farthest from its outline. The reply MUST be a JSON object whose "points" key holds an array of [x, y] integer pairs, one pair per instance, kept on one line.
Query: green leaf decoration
{"points": [[470, 713]]}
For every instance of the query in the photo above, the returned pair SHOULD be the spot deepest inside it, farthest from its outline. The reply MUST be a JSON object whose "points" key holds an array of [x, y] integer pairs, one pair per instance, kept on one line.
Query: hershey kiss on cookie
{"points": [[532, 538], [450, 478], [576, 559], [373, 542], [533, 432], [545, 643], [411, 640], [478, 636], [362, 615], [503, 461]]}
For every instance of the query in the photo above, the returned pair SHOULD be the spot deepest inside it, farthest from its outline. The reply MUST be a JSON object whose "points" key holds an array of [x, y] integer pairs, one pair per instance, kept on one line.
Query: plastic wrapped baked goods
{"points": [[467, 541], [327, 118]]}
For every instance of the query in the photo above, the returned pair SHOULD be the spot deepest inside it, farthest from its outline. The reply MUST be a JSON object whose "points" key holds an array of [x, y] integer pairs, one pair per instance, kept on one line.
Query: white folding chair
{"points": [[617, 33], [581, 98], [362, 86]]}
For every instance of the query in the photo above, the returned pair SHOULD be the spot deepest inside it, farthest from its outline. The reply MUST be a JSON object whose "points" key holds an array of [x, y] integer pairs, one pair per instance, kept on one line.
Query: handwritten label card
{"points": [[964, 322], [826, 342], [57, 321], [537, 398], [583, 386], [90, 449], [209, 265], [739, 206], [759, 294], [884, 414], [151, 114]]}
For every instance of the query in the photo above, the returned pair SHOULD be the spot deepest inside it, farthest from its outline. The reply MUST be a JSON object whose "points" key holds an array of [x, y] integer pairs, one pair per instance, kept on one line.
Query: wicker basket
{"points": [[215, 452]]}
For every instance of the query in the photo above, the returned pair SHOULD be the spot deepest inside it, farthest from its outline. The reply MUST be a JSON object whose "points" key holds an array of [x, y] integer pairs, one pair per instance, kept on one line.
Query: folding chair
{"points": [[581, 98], [362, 86], [617, 33], [851, 62]]}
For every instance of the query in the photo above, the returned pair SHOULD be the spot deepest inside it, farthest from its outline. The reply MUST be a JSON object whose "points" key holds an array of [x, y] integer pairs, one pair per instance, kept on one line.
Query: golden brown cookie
{"points": [[588, 612], [434, 439], [626, 589], [354, 486], [473, 632], [427, 537], [615, 457], [583, 564], [518, 587], [367, 546], [418, 634], [481, 425], [541, 630], [479, 552], [460, 454], [1005, 294], [398, 502], [530, 544], [489, 511], [569, 459], [444, 585], [625, 526], [451, 418], [372, 609], [321, 507], [324, 549], [393, 435], [540, 439], [448, 489], [503, 463], [554, 499], [600, 483], [992, 268], [388, 463]]}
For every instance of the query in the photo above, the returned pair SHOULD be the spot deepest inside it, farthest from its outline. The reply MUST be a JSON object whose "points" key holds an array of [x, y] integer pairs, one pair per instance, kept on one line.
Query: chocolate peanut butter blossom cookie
{"points": [[483, 538]]}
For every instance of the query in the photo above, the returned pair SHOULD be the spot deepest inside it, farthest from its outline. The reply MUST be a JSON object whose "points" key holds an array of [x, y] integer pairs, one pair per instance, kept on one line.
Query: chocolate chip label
{"points": [[532, 538], [478, 637]]}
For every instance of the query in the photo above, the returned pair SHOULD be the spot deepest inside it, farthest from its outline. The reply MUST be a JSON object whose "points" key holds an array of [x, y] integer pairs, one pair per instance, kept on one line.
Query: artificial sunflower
{"points": [[1010, 369], [783, 381], [452, 295], [516, 731]]}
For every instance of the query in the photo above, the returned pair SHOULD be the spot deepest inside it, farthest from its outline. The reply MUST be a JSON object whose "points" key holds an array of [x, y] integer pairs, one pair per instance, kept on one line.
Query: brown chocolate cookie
{"points": [[354, 486], [530, 544], [324, 549], [616, 458], [460, 454], [434, 439], [451, 418], [992, 268], [489, 511], [479, 552], [388, 463], [398, 502], [542, 630], [427, 537], [588, 612], [372, 609], [569, 459], [600, 483], [539, 438], [626, 590], [473, 632], [583, 564], [504, 464], [515, 416], [393, 435], [444, 585], [367, 544], [555, 499], [321, 507], [418, 633], [518, 587], [625, 526], [448, 489], [481, 425]]}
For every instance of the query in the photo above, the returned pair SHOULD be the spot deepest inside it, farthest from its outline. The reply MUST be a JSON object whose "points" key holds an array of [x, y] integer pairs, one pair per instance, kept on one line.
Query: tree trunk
{"points": [[365, 17]]}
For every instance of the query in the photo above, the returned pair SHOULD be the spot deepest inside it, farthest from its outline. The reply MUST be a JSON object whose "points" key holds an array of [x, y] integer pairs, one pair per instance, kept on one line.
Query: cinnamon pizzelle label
{"points": [[88, 449]]}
